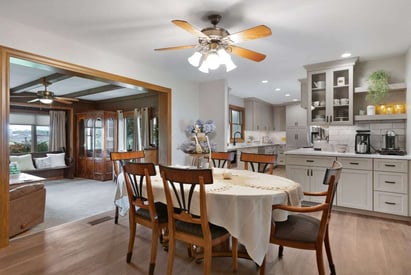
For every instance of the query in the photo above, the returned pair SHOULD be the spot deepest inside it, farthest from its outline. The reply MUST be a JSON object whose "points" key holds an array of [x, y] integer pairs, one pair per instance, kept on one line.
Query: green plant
{"points": [[377, 86]]}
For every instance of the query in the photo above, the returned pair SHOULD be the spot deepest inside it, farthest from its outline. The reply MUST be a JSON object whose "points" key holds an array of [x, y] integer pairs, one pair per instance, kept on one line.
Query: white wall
{"points": [[213, 104], [184, 95], [408, 83]]}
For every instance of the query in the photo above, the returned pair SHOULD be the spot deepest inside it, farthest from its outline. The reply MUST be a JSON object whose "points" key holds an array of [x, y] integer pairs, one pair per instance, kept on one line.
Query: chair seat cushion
{"points": [[161, 210], [301, 228], [195, 229]]}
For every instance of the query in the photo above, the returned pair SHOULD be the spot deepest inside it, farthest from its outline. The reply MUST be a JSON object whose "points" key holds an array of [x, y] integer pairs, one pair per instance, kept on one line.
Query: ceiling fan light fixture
{"points": [[213, 60], [204, 67], [195, 59], [229, 65], [46, 100]]}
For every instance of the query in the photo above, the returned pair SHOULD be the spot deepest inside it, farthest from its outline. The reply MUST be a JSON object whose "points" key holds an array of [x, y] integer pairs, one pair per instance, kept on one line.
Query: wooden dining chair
{"points": [[262, 163], [180, 186], [222, 159], [119, 159], [305, 231], [143, 209]]}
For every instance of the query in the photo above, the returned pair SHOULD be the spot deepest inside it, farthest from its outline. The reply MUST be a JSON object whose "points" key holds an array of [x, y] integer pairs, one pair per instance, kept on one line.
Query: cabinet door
{"points": [[355, 189], [318, 83], [316, 182], [341, 96], [299, 174]]}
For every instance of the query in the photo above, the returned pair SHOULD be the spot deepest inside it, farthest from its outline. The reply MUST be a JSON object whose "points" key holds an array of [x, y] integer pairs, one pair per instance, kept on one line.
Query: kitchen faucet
{"points": [[234, 136]]}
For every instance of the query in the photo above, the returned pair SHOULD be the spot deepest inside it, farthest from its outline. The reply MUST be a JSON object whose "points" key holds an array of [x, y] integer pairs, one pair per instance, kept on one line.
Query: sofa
{"points": [[27, 206], [49, 165]]}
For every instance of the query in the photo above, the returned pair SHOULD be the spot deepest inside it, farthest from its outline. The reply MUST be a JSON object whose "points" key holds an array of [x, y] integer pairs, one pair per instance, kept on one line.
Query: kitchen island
{"points": [[370, 184], [260, 148]]}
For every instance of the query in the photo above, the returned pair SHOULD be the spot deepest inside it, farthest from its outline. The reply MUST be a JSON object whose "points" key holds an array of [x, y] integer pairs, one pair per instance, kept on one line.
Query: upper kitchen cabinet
{"points": [[330, 92], [279, 118], [258, 115]]}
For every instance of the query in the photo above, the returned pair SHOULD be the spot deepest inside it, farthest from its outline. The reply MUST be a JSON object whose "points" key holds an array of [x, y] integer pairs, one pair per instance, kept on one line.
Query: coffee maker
{"points": [[391, 144], [362, 142]]}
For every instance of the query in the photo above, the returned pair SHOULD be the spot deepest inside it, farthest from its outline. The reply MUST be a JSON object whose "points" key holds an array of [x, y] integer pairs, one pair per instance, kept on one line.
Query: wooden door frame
{"points": [[164, 97]]}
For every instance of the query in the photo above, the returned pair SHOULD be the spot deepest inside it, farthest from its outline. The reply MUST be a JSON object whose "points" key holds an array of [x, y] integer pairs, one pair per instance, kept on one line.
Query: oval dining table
{"points": [[241, 204]]}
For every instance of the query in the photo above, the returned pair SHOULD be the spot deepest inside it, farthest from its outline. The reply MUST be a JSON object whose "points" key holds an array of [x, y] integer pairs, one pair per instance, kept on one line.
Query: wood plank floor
{"points": [[360, 245]]}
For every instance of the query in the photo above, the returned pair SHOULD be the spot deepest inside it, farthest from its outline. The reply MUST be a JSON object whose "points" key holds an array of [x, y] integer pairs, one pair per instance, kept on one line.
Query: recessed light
{"points": [[295, 99], [277, 89], [264, 81], [287, 95], [344, 55]]}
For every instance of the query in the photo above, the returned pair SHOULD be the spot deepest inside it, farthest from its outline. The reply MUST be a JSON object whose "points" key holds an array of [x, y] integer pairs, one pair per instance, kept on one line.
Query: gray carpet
{"points": [[69, 200]]}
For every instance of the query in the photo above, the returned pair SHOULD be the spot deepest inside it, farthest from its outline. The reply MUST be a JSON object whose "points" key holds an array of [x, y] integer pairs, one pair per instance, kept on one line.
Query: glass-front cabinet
{"points": [[97, 133], [330, 92]]}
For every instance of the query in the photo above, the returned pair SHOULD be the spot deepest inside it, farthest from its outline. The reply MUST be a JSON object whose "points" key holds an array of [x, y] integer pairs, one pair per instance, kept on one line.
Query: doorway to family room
{"points": [[80, 194]]}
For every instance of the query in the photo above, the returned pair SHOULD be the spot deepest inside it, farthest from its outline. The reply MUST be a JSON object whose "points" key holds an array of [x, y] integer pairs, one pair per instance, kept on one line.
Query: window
{"points": [[236, 121], [29, 132]]}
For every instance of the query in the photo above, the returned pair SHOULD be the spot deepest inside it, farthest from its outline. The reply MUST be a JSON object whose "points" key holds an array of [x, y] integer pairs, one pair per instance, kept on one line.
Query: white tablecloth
{"points": [[241, 204]]}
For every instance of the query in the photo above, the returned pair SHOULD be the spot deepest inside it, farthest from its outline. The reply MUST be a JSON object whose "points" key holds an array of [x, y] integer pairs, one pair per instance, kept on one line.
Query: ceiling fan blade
{"points": [[249, 54], [188, 27], [62, 100], [33, 100], [250, 34], [176, 48], [66, 98]]}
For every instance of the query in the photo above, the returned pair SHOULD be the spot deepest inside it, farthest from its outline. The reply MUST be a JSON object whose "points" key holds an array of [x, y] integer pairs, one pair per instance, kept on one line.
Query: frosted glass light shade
{"points": [[213, 60], [46, 100], [195, 59], [204, 67]]}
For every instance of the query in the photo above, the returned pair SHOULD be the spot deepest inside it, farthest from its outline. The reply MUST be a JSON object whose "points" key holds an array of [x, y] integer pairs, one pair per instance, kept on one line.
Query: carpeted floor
{"points": [[69, 200]]}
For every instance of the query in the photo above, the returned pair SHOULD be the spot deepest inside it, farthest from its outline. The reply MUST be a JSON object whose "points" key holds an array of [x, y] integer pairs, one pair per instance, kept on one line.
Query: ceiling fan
{"points": [[47, 97], [212, 40]]}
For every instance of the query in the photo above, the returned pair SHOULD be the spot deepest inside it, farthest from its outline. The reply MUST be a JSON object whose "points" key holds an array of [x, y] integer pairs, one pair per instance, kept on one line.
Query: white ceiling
{"points": [[303, 32]]}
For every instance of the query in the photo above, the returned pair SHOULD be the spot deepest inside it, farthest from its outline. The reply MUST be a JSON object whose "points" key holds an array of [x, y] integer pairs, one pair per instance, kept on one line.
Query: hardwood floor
{"points": [[360, 245]]}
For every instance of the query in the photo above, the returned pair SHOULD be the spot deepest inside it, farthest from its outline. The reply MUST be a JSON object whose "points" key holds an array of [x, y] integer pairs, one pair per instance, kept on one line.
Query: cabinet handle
{"points": [[327, 119], [389, 165], [311, 172], [308, 172], [354, 163], [390, 182], [331, 118], [296, 136], [390, 203], [309, 160]]}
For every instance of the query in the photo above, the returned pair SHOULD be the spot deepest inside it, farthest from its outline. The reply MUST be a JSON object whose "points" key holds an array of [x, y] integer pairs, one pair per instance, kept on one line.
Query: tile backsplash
{"points": [[346, 134]]}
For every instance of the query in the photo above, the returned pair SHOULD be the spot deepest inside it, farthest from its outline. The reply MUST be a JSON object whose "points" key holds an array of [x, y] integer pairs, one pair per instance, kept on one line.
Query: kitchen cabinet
{"points": [[97, 132], [258, 115], [309, 171], [296, 127], [279, 118], [330, 92], [355, 189], [391, 186]]}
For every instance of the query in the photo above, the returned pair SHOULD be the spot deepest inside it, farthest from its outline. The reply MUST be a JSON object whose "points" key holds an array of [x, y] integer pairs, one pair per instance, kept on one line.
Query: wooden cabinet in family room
{"points": [[97, 132]]}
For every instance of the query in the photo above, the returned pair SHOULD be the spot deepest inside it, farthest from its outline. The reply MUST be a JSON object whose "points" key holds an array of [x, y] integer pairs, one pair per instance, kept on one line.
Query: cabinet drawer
{"points": [[310, 160], [390, 182], [391, 165], [390, 203], [355, 163]]}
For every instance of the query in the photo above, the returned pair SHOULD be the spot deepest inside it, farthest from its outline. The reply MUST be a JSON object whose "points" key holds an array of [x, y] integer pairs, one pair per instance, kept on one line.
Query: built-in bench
{"points": [[49, 165]]}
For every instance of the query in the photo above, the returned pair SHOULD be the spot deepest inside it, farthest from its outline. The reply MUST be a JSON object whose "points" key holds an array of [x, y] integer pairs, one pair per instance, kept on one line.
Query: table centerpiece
{"points": [[198, 145]]}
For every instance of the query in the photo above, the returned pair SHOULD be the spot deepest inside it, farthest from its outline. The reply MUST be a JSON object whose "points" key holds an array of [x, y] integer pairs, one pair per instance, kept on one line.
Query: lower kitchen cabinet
{"points": [[308, 171], [391, 186], [355, 187]]}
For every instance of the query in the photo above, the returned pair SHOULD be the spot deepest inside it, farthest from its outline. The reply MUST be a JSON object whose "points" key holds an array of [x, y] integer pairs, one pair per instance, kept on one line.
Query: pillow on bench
{"points": [[24, 162], [42, 163], [57, 160]]}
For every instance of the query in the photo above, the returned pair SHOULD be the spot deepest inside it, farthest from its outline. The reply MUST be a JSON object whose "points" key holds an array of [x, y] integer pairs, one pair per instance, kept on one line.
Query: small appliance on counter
{"points": [[362, 142], [390, 141]]}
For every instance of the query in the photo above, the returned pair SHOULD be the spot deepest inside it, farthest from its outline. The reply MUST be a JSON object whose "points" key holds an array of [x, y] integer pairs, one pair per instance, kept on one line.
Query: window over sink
{"points": [[236, 123]]}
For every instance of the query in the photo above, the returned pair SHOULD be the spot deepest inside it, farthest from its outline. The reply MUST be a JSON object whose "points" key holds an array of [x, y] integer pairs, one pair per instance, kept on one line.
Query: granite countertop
{"points": [[312, 152]]}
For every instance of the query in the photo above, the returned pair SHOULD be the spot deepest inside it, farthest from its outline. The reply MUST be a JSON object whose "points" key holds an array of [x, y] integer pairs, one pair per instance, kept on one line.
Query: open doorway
{"points": [[54, 70]]}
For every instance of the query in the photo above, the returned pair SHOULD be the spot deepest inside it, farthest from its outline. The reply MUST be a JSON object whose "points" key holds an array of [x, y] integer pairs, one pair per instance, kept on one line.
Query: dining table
{"points": [[238, 200]]}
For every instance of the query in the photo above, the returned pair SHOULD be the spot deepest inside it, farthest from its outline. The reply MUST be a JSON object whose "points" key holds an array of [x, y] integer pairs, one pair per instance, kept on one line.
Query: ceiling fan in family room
{"points": [[215, 44], [45, 96]]}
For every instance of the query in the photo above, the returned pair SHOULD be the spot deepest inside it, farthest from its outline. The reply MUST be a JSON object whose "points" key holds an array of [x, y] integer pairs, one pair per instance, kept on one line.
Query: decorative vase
{"points": [[370, 110]]}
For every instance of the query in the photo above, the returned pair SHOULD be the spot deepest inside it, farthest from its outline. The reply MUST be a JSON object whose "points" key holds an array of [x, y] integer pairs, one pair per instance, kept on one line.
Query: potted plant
{"points": [[377, 89]]}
